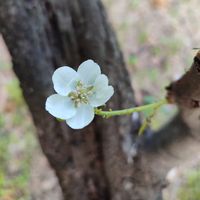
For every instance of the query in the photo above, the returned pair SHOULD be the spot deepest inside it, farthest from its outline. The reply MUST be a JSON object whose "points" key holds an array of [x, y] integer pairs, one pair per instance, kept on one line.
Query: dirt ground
{"points": [[156, 37]]}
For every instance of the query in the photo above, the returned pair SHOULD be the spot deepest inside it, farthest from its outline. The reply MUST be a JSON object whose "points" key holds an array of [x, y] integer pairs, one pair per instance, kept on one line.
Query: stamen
{"points": [[81, 94]]}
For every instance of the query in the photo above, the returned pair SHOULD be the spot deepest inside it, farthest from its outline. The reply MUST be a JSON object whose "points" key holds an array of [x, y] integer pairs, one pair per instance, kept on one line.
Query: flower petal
{"points": [[100, 97], [88, 71], [101, 82], [60, 107], [84, 115], [63, 79]]}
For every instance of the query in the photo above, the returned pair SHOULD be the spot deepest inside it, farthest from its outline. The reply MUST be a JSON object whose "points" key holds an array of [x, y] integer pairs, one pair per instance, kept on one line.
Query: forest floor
{"points": [[156, 37]]}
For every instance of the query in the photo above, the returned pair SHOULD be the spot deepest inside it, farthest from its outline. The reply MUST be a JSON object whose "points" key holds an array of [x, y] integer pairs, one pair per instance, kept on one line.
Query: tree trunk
{"points": [[91, 164], [42, 35]]}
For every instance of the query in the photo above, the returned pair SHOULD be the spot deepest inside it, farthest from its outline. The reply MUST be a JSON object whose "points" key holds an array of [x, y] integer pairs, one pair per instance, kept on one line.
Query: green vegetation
{"points": [[4, 65], [15, 93], [190, 190], [168, 46], [132, 60], [143, 37], [16, 145], [134, 4]]}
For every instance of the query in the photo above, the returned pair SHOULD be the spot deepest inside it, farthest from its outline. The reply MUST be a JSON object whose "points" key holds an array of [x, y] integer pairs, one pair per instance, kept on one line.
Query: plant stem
{"points": [[129, 111]]}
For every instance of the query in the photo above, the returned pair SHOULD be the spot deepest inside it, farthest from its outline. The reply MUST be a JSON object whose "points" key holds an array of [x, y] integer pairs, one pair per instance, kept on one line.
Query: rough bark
{"points": [[42, 35]]}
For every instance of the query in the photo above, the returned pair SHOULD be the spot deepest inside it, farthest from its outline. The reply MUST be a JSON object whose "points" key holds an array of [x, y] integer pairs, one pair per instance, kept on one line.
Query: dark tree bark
{"points": [[42, 35], [90, 164]]}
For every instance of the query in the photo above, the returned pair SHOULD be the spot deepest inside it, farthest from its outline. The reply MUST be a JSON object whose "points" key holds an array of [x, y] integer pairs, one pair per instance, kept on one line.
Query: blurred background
{"points": [[156, 37]]}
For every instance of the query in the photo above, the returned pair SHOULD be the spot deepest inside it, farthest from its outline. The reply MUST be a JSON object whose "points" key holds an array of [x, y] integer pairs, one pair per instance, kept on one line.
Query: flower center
{"points": [[81, 94]]}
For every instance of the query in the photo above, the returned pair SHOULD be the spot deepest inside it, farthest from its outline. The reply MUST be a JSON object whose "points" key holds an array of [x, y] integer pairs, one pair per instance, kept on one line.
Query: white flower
{"points": [[78, 93]]}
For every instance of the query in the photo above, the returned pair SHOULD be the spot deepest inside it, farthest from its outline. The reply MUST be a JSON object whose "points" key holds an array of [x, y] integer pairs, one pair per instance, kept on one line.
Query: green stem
{"points": [[129, 111]]}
